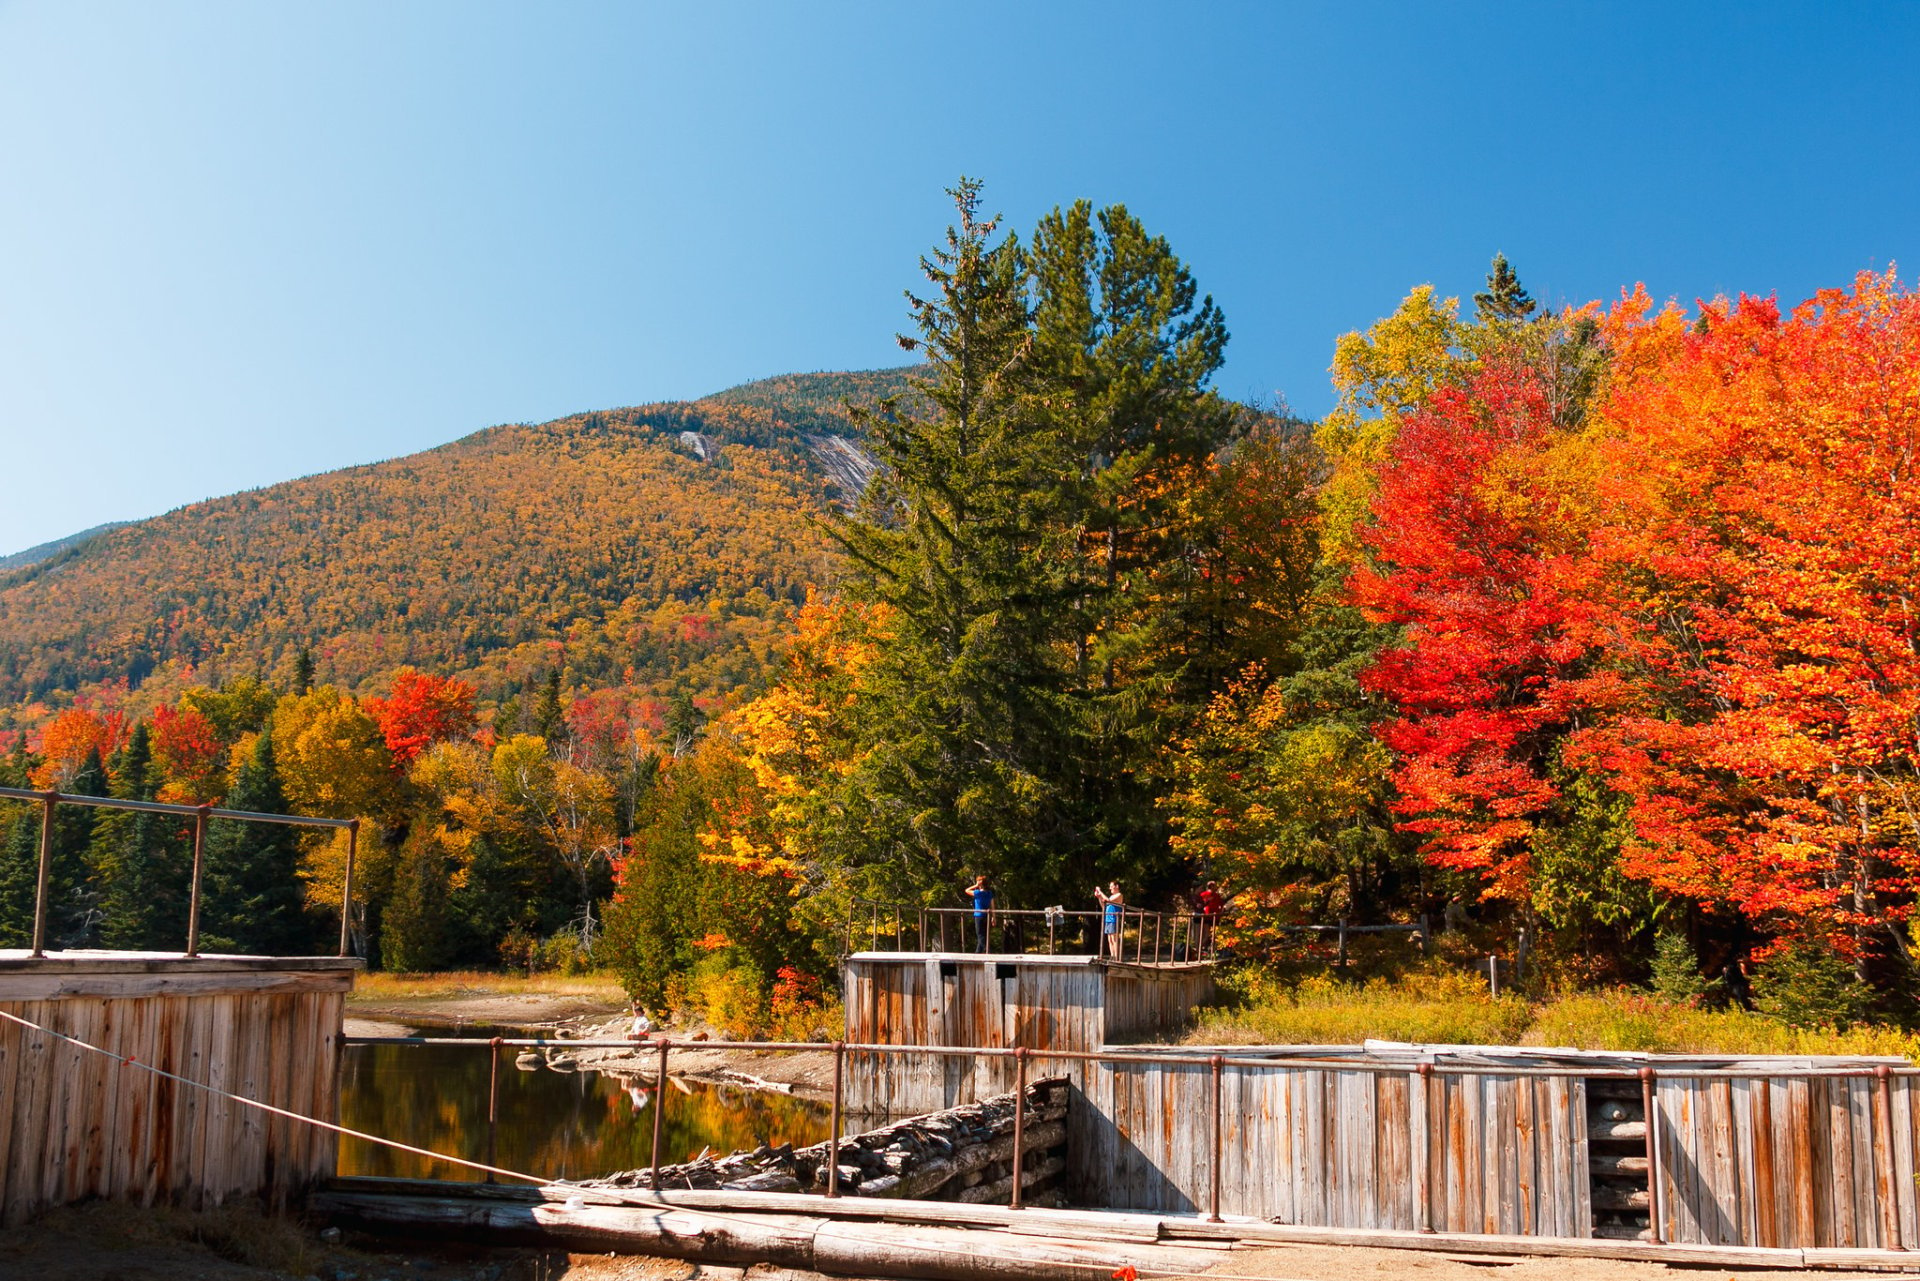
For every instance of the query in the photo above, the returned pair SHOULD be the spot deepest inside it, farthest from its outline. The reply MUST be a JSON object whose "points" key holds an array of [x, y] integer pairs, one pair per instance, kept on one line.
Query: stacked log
{"points": [[962, 1154], [1617, 1160]]}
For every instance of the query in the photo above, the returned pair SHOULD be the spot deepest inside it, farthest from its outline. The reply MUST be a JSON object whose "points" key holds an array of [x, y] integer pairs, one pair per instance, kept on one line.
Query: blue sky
{"points": [[243, 242]]}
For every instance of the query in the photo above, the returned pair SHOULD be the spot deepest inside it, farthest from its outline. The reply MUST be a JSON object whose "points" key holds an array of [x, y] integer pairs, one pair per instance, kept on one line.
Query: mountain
{"points": [[47, 551], [661, 547]]}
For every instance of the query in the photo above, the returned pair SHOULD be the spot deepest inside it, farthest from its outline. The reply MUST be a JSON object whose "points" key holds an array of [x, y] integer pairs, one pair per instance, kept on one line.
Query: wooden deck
{"points": [[75, 1124]]}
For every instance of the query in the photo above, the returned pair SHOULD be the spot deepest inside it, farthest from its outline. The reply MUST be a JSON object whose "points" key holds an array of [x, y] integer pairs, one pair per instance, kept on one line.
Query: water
{"points": [[557, 1125]]}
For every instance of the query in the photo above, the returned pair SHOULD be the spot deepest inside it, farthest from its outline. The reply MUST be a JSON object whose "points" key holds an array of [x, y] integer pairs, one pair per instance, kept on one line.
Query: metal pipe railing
{"points": [[1144, 937], [200, 814]]}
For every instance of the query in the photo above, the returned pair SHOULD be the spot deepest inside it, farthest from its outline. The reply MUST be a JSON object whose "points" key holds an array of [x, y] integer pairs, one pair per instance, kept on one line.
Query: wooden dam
{"points": [[1774, 1160]]}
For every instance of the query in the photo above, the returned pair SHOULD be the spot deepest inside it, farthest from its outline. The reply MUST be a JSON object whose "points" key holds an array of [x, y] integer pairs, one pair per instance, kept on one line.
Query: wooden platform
{"points": [[75, 1124], [982, 1000]]}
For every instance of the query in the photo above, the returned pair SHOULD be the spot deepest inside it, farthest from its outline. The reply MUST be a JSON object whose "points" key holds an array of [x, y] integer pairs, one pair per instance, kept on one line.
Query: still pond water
{"points": [[557, 1125]]}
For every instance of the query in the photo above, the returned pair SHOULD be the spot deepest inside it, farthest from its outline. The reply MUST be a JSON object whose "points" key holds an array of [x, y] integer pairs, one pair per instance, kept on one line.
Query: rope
{"points": [[126, 1060]]}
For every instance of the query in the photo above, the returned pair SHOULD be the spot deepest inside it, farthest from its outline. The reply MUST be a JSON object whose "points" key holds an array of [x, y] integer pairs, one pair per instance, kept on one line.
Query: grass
{"points": [[379, 987], [1441, 1008], [1437, 1008]]}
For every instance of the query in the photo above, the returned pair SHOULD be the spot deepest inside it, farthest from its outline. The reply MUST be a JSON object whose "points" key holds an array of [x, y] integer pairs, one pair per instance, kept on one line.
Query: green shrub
{"points": [[1807, 985], [1676, 973]]}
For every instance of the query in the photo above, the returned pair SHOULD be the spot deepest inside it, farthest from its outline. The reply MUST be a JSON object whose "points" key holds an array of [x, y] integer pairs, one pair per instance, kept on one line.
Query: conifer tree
{"points": [[251, 898], [142, 861], [1504, 298], [303, 670], [413, 930], [71, 905], [550, 720], [962, 706], [1123, 348]]}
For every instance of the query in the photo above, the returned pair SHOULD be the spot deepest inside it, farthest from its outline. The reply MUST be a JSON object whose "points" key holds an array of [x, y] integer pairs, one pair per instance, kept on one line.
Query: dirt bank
{"points": [[526, 1013]]}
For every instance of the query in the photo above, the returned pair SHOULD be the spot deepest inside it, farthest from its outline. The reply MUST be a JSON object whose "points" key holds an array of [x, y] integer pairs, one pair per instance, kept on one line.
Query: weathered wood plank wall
{"points": [[1346, 1149], [1042, 1003], [76, 1125], [1797, 1162]]}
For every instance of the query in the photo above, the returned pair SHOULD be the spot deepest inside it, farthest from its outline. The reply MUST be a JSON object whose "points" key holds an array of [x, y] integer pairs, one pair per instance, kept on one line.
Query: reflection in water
{"points": [[558, 1125]]}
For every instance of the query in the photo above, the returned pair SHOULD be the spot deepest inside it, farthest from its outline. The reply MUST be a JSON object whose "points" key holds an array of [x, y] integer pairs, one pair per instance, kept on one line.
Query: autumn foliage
{"points": [[1702, 597], [422, 710]]}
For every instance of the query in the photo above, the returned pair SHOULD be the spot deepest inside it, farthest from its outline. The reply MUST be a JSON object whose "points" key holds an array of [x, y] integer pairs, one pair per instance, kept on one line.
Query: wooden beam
{"points": [[783, 1240]]}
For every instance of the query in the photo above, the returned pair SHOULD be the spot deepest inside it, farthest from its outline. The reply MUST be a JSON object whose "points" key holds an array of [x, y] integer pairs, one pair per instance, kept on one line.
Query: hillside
{"points": [[47, 551], [661, 547]]}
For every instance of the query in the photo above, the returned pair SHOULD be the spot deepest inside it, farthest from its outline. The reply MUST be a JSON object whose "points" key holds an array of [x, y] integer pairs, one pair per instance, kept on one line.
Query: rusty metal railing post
{"points": [[493, 1101], [1019, 1120], [193, 892], [48, 800], [346, 894], [1885, 1178], [923, 929], [1648, 1110], [833, 1123], [659, 1110], [1213, 1169], [1156, 936]]}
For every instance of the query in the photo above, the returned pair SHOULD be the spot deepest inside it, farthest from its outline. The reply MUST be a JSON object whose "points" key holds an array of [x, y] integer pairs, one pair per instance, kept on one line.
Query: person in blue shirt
{"points": [[982, 895], [1113, 918]]}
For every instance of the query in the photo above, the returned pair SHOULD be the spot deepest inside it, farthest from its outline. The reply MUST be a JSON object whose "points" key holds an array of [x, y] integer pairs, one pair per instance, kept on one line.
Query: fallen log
{"points": [[865, 1249]]}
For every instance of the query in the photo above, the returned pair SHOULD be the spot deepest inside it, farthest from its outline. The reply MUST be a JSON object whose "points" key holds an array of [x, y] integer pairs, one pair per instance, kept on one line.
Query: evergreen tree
{"points": [[141, 861], [251, 900], [1504, 298], [413, 931], [1123, 347], [962, 706], [72, 909], [550, 719], [303, 671]]}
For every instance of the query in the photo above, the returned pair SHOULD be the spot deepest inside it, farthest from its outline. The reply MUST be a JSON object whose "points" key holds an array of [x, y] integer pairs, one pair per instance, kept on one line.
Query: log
{"points": [[936, 1174], [1002, 1189], [1618, 1165], [867, 1249], [1617, 1130], [1612, 1198]]}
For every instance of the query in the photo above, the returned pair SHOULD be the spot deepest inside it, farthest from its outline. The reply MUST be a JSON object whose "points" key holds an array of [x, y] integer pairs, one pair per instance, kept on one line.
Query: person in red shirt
{"points": [[1211, 902]]}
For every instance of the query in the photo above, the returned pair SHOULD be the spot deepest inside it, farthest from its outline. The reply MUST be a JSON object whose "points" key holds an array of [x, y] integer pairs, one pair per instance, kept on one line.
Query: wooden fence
{"points": [[1793, 1153], [76, 1124]]}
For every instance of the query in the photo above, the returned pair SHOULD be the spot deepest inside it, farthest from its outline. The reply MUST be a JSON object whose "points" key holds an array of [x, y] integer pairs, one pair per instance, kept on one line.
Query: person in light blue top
{"points": [[982, 895], [1113, 916]]}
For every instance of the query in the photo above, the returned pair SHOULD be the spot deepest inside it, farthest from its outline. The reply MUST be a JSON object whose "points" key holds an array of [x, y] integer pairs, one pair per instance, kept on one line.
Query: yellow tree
{"points": [[333, 761], [1381, 376], [570, 808]]}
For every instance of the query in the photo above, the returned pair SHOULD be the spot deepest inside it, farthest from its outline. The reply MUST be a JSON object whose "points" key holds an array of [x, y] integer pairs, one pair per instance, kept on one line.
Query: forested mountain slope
{"points": [[661, 546]]}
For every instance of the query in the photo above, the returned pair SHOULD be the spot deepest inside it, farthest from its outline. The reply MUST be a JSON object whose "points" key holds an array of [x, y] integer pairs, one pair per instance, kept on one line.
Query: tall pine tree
{"points": [[960, 712], [72, 908], [142, 861], [1504, 298], [251, 897]]}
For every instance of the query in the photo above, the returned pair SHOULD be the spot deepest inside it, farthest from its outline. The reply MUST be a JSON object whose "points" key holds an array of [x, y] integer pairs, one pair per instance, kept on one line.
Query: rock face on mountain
{"points": [[663, 546]]}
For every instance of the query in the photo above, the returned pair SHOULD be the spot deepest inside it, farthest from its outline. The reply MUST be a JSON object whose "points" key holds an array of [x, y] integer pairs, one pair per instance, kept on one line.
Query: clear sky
{"points": [[243, 242]]}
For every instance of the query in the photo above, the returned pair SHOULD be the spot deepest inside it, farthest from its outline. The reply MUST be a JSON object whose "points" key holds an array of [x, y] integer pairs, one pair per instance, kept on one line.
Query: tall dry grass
{"points": [[1451, 1008]]}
